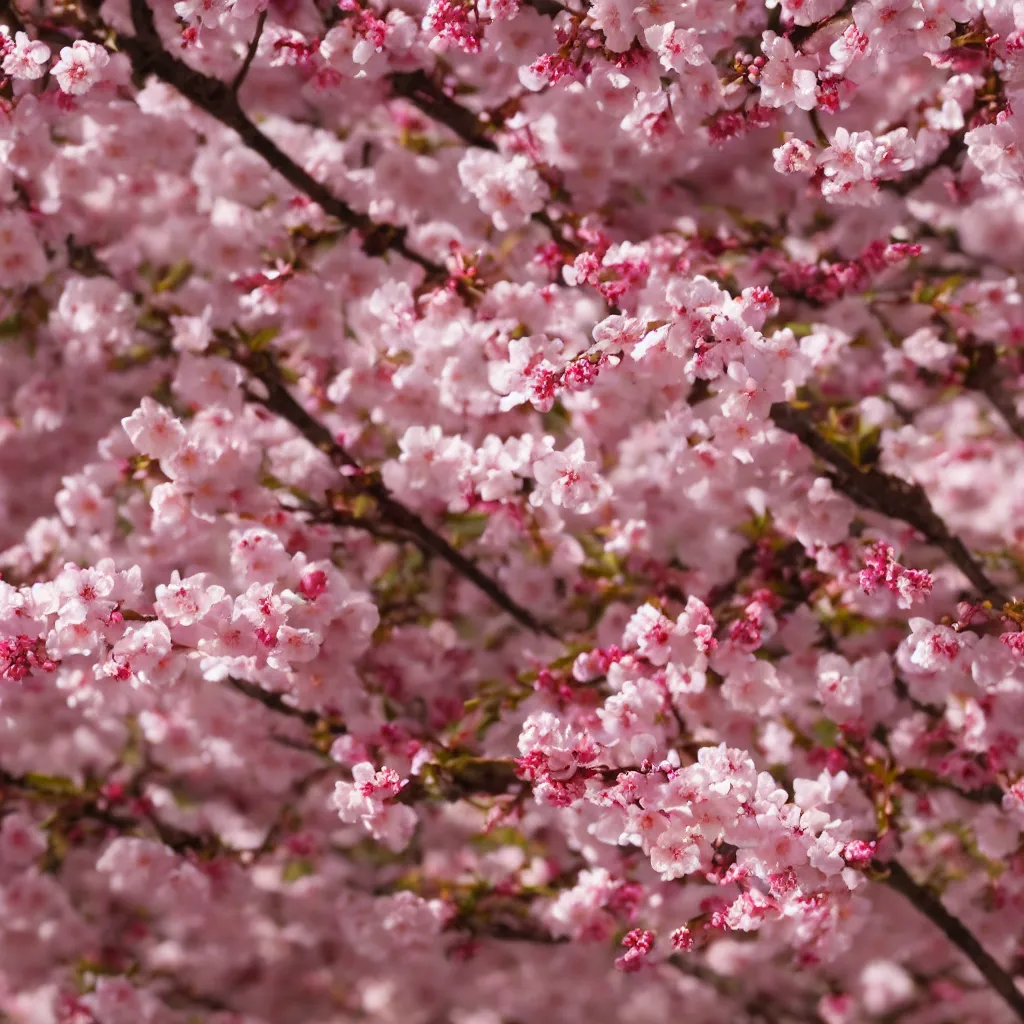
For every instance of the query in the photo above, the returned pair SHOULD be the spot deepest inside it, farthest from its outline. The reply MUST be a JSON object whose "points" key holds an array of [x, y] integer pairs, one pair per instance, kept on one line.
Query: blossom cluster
{"points": [[509, 511]]}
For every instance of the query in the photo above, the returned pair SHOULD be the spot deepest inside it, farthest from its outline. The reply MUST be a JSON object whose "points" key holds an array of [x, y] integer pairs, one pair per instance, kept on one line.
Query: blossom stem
{"points": [[274, 702]]}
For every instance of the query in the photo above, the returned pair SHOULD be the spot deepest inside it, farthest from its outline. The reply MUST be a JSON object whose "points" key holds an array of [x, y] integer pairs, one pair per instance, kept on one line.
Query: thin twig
{"points": [[80, 804], [254, 44], [757, 1006], [12, 15], [549, 8], [802, 34], [274, 702], [948, 157], [983, 374]]}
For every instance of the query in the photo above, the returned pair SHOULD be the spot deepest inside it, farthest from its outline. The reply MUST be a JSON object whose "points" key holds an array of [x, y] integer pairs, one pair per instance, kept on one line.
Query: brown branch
{"points": [[250, 54], [280, 401], [955, 148], [986, 376], [423, 93], [759, 1006], [549, 8], [324, 514], [12, 15], [457, 779], [888, 496], [802, 34], [925, 901], [896, 877], [78, 804], [276, 703], [906, 184], [147, 54], [463, 777]]}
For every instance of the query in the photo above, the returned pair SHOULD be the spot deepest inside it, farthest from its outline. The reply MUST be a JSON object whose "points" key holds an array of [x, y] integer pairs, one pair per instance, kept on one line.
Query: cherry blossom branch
{"points": [[147, 54], [12, 15], [948, 157], [925, 901], [986, 376], [804, 33], [423, 93], [549, 8], [280, 401], [755, 1006], [983, 374], [274, 702], [465, 776], [888, 496], [81, 804], [458, 777], [896, 877], [250, 55], [454, 779]]}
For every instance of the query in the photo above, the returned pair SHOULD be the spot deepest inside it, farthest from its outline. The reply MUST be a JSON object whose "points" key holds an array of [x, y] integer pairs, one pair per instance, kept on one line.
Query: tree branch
{"points": [[986, 376], [280, 401], [254, 44], [12, 15], [80, 804], [958, 934], [889, 496], [802, 34], [424, 94], [274, 702], [147, 54], [464, 776], [549, 8]]}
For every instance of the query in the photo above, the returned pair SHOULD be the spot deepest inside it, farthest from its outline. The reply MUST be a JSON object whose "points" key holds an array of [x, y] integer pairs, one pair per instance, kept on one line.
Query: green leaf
{"points": [[11, 326], [467, 525], [363, 505], [556, 419], [826, 732], [800, 330], [174, 278], [52, 785], [296, 869], [261, 340]]}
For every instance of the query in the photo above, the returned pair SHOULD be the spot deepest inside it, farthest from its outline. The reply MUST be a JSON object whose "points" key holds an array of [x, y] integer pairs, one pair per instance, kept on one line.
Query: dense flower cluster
{"points": [[509, 511]]}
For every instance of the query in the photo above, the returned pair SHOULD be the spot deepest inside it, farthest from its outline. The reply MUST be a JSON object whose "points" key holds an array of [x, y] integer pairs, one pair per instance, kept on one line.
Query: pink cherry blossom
{"points": [[507, 190], [567, 479], [27, 59], [80, 67], [511, 511]]}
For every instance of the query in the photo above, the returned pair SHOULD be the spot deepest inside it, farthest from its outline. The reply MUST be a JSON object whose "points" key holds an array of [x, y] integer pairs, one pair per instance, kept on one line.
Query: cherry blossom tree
{"points": [[512, 510]]}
